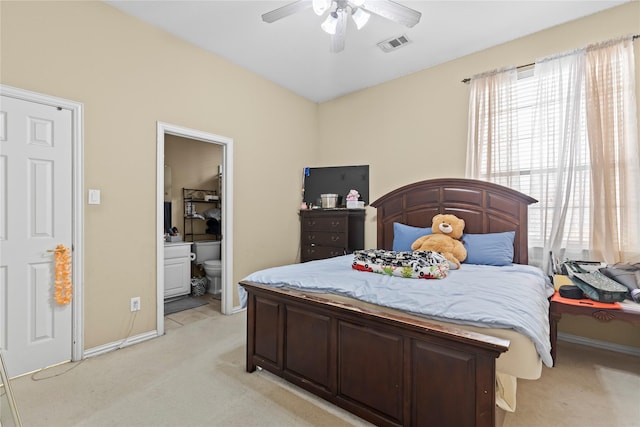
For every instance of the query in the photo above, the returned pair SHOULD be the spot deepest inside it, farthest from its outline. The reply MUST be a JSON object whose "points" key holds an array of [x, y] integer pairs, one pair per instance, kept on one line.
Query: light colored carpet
{"points": [[194, 376], [586, 387]]}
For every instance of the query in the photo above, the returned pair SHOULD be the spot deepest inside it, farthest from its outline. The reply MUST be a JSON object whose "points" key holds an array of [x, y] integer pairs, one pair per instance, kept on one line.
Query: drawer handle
{"points": [[335, 238], [335, 223]]}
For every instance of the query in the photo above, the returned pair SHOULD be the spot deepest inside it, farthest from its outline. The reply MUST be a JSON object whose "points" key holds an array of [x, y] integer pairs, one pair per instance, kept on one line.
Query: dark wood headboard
{"points": [[485, 207]]}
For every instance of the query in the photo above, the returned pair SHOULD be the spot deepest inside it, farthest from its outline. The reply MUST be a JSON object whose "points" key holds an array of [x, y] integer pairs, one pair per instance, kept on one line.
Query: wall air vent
{"points": [[394, 43]]}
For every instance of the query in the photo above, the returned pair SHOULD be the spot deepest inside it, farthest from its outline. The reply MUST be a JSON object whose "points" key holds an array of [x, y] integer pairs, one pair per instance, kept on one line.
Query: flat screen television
{"points": [[336, 180]]}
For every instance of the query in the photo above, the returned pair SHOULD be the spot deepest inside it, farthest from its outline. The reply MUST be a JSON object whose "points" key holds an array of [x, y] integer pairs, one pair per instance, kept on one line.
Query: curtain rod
{"points": [[468, 79]]}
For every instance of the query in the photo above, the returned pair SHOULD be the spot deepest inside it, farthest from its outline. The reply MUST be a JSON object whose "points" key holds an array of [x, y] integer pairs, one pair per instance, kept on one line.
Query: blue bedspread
{"points": [[512, 297]]}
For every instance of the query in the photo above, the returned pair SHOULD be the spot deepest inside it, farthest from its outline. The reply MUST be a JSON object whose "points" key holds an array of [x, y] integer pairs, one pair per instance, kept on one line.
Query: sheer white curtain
{"points": [[613, 140], [566, 136], [492, 123], [560, 170]]}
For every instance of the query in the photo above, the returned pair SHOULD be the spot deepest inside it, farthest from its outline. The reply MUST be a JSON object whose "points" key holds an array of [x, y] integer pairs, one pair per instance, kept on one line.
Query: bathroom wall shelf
{"points": [[196, 226]]}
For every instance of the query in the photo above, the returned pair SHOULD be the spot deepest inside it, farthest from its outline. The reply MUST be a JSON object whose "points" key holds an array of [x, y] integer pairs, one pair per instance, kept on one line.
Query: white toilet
{"points": [[208, 256]]}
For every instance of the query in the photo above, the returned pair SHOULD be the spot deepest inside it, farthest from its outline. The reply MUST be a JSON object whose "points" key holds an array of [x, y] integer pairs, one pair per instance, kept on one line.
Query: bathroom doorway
{"points": [[221, 154]]}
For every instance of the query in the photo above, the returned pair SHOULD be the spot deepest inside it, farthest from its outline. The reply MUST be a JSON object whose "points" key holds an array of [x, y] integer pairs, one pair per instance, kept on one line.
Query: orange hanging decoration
{"points": [[64, 290]]}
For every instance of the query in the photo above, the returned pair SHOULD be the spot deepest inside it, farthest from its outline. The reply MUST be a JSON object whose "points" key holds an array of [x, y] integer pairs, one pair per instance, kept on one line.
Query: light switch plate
{"points": [[94, 197]]}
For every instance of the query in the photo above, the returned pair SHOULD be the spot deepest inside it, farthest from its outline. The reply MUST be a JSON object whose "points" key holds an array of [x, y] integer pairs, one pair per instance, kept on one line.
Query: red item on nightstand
{"points": [[585, 302]]}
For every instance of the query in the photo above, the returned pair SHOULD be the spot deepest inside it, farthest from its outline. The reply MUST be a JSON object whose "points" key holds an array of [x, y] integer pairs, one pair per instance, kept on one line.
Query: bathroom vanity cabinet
{"points": [[177, 269]]}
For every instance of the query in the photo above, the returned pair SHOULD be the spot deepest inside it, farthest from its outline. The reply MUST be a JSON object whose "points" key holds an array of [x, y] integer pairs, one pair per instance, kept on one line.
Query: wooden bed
{"points": [[387, 368]]}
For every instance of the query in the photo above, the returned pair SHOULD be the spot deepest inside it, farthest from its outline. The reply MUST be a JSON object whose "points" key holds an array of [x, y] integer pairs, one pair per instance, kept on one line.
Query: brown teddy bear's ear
{"points": [[436, 218]]}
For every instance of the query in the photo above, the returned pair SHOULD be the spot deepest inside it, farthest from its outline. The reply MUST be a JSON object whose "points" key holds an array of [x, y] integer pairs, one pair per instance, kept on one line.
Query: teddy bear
{"points": [[447, 231]]}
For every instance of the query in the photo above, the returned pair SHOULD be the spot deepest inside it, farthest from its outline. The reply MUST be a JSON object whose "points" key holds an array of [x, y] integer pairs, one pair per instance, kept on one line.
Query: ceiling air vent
{"points": [[394, 43]]}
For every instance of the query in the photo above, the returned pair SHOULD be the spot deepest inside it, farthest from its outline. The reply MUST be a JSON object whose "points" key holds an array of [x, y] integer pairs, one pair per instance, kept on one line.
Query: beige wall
{"points": [[130, 75]]}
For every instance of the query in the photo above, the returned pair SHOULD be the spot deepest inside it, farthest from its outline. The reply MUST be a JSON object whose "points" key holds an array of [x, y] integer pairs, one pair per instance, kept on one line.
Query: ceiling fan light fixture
{"points": [[321, 6], [330, 24], [360, 17], [337, 16]]}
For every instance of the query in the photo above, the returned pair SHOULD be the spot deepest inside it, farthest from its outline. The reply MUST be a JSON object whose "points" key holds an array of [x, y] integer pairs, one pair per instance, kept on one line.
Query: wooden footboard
{"points": [[387, 369]]}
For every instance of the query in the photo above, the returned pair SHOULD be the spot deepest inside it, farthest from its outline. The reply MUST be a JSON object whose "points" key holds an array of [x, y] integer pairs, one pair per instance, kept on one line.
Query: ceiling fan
{"points": [[338, 12]]}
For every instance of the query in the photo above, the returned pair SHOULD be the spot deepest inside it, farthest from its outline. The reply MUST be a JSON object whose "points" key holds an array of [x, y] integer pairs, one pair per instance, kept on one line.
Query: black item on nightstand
{"points": [[326, 233], [571, 291]]}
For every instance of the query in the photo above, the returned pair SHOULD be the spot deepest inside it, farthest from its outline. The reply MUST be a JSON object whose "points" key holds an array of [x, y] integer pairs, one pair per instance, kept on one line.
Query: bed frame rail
{"points": [[390, 370]]}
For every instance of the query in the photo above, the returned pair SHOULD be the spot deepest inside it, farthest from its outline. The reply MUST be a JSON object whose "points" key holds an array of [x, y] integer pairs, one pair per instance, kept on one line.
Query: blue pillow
{"points": [[405, 235], [489, 249]]}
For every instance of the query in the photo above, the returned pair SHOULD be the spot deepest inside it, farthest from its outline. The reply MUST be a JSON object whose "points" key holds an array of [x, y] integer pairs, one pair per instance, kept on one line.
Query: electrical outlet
{"points": [[135, 303]]}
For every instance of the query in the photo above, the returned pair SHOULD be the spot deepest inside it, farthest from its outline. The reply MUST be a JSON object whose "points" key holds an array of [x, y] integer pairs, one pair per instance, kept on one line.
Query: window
{"points": [[564, 133], [535, 163]]}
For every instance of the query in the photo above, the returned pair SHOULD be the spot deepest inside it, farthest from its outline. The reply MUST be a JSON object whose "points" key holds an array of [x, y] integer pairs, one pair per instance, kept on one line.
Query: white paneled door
{"points": [[35, 217]]}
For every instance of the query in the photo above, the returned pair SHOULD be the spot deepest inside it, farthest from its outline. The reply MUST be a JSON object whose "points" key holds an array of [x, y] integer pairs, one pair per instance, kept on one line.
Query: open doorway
{"points": [[164, 131]]}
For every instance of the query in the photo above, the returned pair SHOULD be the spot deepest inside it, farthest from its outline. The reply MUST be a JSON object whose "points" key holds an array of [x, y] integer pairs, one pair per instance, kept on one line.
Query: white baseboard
{"points": [[605, 345], [105, 348], [238, 310]]}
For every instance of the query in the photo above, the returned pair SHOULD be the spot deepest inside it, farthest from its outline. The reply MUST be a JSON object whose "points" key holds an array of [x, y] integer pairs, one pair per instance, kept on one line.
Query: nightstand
{"points": [[627, 311]]}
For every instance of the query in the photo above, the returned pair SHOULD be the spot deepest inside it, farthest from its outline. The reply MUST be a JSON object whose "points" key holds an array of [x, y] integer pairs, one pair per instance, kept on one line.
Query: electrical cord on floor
{"points": [[75, 365], [132, 321]]}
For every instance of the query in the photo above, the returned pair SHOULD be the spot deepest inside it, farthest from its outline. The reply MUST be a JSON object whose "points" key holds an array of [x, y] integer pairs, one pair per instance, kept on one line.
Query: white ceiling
{"points": [[294, 52]]}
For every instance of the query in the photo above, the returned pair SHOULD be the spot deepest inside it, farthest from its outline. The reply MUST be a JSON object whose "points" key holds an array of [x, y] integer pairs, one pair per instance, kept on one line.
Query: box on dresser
{"points": [[326, 233]]}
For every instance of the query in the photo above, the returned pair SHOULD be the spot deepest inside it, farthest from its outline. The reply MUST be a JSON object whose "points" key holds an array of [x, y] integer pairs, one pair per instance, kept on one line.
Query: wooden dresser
{"points": [[325, 233]]}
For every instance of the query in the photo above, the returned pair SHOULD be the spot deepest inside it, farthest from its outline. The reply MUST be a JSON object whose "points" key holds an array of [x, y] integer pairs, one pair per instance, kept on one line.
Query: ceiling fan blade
{"points": [[286, 10], [393, 11], [338, 39]]}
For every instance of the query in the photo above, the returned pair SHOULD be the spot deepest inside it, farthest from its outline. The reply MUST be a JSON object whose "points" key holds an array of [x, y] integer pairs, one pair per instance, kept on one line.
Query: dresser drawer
{"points": [[310, 253], [324, 238], [326, 223], [326, 233]]}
